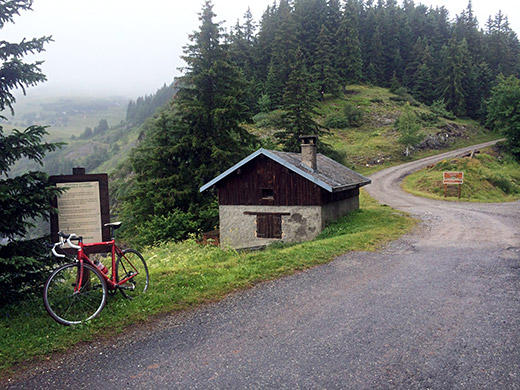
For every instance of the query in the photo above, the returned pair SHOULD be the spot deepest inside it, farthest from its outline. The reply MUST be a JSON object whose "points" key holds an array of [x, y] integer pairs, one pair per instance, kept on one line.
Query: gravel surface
{"points": [[437, 309]]}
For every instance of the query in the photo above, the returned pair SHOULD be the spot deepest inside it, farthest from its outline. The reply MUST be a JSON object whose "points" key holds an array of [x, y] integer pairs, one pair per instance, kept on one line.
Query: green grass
{"points": [[488, 177], [184, 275]]}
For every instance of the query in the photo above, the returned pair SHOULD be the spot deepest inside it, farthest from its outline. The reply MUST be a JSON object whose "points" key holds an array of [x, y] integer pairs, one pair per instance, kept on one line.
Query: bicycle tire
{"points": [[127, 264], [65, 305]]}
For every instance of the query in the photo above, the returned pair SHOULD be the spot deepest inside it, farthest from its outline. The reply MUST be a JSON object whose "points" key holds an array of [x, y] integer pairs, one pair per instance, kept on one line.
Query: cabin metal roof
{"points": [[329, 175]]}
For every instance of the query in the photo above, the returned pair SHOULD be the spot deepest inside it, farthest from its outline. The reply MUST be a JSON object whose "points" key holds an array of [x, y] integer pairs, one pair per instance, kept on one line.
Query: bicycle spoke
{"points": [[71, 307], [131, 265]]}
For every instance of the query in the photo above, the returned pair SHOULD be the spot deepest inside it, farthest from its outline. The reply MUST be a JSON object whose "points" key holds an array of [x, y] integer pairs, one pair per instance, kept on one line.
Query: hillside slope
{"points": [[362, 128]]}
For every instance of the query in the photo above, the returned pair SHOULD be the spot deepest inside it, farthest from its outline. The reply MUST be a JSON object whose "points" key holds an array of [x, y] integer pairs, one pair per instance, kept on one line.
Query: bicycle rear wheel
{"points": [[132, 265], [69, 307]]}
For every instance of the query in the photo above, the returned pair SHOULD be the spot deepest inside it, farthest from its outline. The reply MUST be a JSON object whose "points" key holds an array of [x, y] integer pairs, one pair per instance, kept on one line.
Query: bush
{"points": [[428, 117], [336, 121], [273, 119], [439, 107], [353, 114], [506, 185], [24, 268], [173, 226]]}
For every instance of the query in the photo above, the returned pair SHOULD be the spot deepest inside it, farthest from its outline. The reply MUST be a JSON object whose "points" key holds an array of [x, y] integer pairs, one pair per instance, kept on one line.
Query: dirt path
{"points": [[449, 223]]}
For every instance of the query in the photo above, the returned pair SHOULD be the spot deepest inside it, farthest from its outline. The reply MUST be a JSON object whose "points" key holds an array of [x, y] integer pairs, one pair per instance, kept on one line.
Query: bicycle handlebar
{"points": [[72, 236], [53, 250], [65, 239]]}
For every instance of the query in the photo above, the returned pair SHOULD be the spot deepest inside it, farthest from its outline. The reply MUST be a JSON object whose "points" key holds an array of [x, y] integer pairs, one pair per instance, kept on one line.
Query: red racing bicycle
{"points": [[77, 292]]}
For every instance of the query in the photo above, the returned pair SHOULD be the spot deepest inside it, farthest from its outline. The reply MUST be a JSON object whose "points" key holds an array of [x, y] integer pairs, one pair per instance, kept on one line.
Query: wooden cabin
{"points": [[278, 196]]}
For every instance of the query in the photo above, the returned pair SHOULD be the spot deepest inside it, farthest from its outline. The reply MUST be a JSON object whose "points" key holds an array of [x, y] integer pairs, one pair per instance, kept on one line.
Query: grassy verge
{"points": [[488, 177], [184, 275]]}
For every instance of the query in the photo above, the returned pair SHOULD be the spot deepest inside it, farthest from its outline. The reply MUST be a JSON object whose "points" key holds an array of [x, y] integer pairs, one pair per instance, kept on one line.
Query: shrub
{"points": [[428, 117], [173, 226], [336, 121], [24, 267], [439, 107], [353, 114], [506, 185], [272, 119]]}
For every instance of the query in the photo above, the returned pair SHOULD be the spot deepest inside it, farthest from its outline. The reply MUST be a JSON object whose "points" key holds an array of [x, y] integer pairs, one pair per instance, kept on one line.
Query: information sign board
{"points": [[83, 208], [453, 177], [79, 210]]}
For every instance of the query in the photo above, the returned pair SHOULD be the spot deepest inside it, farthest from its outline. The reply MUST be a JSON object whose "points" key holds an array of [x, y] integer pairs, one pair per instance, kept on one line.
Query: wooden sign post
{"points": [[453, 178], [84, 208]]}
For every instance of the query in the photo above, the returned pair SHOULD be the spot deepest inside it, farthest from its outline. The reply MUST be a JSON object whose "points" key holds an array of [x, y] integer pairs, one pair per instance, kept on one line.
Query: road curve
{"points": [[437, 309], [453, 223]]}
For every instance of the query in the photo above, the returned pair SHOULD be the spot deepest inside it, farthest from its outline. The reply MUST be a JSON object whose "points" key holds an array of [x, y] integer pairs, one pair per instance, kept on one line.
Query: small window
{"points": [[269, 226], [267, 193]]}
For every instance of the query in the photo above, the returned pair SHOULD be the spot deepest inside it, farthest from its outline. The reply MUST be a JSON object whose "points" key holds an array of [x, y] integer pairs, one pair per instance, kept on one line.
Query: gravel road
{"points": [[437, 309]]}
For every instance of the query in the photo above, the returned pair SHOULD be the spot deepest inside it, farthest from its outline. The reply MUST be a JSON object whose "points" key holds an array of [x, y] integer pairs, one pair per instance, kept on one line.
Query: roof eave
{"points": [[274, 157], [351, 186]]}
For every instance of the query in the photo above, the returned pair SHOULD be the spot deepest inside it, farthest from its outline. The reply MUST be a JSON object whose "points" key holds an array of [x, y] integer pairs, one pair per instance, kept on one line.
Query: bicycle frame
{"points": [[112, 284]]}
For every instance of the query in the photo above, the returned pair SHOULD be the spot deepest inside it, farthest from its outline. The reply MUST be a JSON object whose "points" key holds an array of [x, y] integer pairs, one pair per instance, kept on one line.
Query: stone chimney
{"points": [[309, 151]]}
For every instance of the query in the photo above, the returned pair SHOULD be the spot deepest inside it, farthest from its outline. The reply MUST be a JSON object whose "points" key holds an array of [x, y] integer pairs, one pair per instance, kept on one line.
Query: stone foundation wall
{"points": [[336, 210], [238, 224], [238, 229]]}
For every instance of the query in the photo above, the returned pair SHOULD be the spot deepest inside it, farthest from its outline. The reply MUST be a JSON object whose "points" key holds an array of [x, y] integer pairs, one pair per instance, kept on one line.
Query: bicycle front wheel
{"points": [[68, 306], [132, 273]]}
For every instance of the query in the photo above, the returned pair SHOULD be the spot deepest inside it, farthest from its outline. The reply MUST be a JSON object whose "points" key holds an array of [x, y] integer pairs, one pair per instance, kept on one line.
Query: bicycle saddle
{"points": [[114, 225]]}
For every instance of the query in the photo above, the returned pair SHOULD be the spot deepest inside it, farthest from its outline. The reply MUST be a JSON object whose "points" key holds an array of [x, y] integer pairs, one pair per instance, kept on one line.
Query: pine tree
{"points": [[28, 196], [190, 142], [309, 16], [242, 42], [409, 129], [299, 104], [264, 45], [504, 111], [284, 49], [466, 27], [350, 61], [454, 76], [502, 49], [324, 73], [423, 90], [373, 48]]}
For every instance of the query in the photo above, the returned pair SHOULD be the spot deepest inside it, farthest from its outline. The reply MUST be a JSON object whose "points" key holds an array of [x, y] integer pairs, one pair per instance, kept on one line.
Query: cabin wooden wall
{"points": [[263, 181]]}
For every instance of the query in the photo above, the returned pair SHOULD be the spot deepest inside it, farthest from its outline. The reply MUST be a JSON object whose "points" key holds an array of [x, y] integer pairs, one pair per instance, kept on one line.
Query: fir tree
{"points": [[309, 16], [453, 76], [28, 196], [324, 73], [284, 48], [502, 49], [409, 129], [190, 142], [504, 111], [350, 61], [299, 104]]}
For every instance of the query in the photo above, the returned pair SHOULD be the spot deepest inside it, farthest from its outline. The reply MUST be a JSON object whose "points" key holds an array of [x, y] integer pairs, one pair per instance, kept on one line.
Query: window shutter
{"points": [[269, 226]]}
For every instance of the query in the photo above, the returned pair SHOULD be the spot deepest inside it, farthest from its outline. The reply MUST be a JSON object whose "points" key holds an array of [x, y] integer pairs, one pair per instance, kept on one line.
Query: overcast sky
{"points": [[130, 48]]}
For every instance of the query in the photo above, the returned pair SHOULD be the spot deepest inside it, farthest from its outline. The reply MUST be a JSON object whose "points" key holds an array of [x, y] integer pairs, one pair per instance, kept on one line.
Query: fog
{"points": [[130, 48]]}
